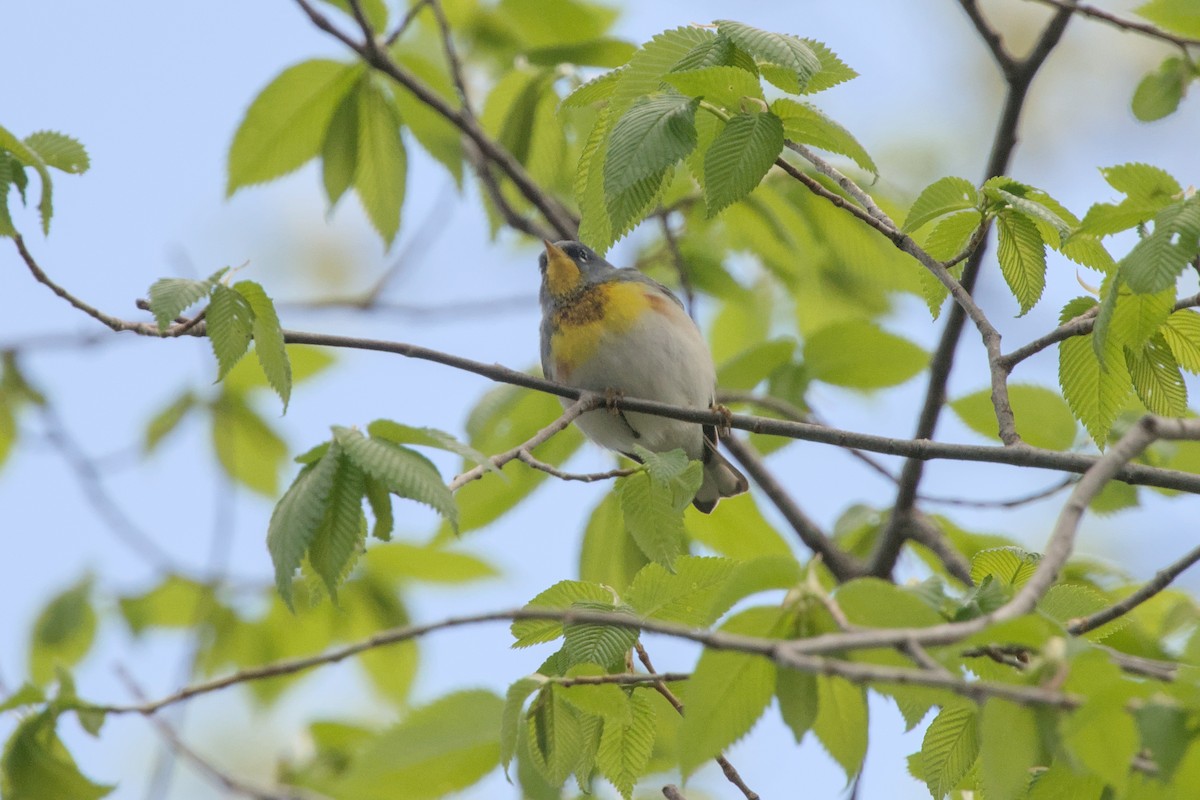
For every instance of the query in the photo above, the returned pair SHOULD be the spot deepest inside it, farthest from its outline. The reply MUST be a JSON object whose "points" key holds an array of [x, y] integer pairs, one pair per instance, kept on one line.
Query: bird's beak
{"points": [[562, 273]]}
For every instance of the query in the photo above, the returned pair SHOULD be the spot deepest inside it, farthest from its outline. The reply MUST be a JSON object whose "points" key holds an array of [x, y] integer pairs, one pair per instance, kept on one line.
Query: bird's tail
{"points": [[721, 479]]}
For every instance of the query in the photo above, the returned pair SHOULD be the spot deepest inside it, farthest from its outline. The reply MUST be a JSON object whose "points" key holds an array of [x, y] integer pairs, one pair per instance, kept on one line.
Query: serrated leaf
{"points": [[625, 748], [60, 151], [24, 155], [1107, 756], [1127, 318], [339, 149], [63, 632], [1043, 418], [26, 695], [859, 355], [339, 538], [728, 692], [1155, 263], [433, 132], [1096, 393], [405, 473], [595, 229], [170, 297], [285, 125], [938, 198], [1157, 379], [1009, 566], [561, 595], [1087, 250], [739, 158], [297, 518], [1067, 602], [685, 596], [593, 91], [37, 766], [510, 718], [436, 750], [783, 50], [382, 162], [555, 736], [806, 124], [269, 346], [833, 70], [593, 643], [875, 603], [723, 86], [841, 723], [798, 704], [398, 433], [949, 749], [230, 321], [653, 518], [606, 700], [1142, 182], [1182, 334], [1022, 255], [1036, 212], [741, 533], [716, 51]]}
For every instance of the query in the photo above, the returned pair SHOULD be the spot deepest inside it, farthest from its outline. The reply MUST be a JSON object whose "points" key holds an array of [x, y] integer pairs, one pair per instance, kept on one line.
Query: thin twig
{"points": [[405, 21], [846, 184], [1161, 580], [1124, 24], [585, 403], [925, 531], [584, 477], [685, 281]]}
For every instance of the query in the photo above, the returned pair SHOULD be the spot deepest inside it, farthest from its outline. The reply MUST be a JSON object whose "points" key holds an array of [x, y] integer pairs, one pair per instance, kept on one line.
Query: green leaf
{"points": [[339, 149], [176, 602], [609, 555], [737, 530], [1158, 94], [1043, 418], [1143, 182], [1157, 379], [1010, 566], [398, 433], [25, 156], [230, 321], [650, 137], [740, 157], [950, 748], [939, 198], [1182, 333], [1110, 754], [555, 735], [306, 361], [561, 595], [841, 723], [685, 596], [436, 750], [430, 563], [405, 473], [59, 151], [723, 86], [596, 90], [625, 747], [269, 346], [605, 700], [1066, 602], [653, 516], [1009, 738], [285, 125], [26, 695], [1155, 263], [785, 51], [1022, 255], [594, 643], [601, 52], [167, 420], [63, 632], [297, 518], [1179, 16], [876, 603], [806, 124], [37, 766], [339, 538], [1095, 393], [382, 163], [375, 12], [510, 719], [170, 297], [247, 448], [798, 700], [859, 355], [728, 692], [833, 70], [433, 132]]}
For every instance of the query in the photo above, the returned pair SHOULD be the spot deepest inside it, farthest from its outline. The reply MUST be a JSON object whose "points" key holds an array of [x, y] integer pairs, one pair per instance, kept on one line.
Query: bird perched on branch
{"points": [[618, 332]]}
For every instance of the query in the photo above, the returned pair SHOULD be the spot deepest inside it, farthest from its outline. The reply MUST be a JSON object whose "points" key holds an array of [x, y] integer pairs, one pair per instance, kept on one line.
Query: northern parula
{"points": [[616, 331]]}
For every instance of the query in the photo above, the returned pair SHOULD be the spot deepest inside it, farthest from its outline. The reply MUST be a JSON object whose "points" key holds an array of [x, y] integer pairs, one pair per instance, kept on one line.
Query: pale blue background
{"points": [[155, 91]]}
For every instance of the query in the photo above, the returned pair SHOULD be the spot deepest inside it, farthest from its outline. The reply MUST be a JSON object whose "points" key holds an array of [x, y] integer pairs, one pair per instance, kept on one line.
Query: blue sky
{"points": [[155, 91]]}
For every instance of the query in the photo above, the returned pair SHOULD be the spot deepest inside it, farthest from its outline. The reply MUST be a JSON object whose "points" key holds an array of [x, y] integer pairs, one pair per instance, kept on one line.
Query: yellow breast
{"points": [[605, 309]]}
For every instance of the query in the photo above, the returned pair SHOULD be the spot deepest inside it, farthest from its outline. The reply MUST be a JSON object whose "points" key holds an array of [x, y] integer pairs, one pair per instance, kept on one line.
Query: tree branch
{"points": [[1147, 29], [1161, 580]]}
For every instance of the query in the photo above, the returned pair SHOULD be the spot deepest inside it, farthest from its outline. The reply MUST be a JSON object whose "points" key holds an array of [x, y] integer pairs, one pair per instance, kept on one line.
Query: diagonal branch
{"points": [[1124, 24], [1161, 580]]}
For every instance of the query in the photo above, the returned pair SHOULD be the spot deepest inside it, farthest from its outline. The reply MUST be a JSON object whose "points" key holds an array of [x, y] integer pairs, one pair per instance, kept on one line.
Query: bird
{"points": [[615, 331]]}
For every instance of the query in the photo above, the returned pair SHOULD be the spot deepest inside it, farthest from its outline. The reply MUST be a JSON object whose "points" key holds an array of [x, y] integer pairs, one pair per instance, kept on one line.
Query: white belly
{"points": [[657, 359]]}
